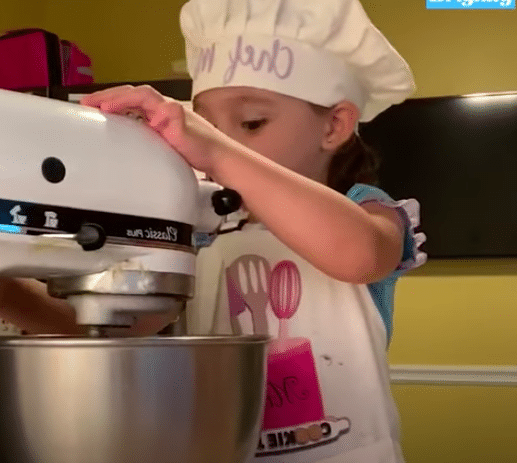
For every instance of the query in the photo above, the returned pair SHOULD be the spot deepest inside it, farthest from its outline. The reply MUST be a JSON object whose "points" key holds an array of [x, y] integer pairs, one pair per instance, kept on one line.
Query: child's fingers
{"points": [[142, 100], [169, 121], [95, 99], [168, 114], [165, 115]]}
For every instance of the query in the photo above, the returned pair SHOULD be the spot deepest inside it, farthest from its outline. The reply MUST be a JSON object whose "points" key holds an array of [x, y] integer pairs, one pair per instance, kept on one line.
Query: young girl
{"points": [[315, 258], [316, 261]]}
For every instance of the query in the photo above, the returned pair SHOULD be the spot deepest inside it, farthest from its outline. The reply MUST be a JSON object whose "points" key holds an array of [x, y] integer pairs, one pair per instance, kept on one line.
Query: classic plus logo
{"points": [[470, 4]]}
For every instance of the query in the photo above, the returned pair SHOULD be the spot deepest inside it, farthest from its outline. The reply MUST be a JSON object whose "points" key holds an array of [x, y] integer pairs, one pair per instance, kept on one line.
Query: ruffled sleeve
{"points": [[409, 210]]}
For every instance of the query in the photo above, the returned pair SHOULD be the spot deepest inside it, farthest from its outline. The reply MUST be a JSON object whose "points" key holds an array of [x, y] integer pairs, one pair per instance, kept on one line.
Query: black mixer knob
{"points": [[91, 236], [226, 201]]}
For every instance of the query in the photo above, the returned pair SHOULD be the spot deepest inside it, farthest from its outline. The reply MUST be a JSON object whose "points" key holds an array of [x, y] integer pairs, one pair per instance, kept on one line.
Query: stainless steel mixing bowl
{"points": [[131, 400]]}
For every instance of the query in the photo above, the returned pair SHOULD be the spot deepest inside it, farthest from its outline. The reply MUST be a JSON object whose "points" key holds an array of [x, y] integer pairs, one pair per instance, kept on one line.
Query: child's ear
{"points": [[341, 123]]}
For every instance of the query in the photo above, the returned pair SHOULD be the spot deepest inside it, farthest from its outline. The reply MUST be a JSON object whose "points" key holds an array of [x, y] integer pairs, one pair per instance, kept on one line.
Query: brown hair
{"points": [[353, 162]]}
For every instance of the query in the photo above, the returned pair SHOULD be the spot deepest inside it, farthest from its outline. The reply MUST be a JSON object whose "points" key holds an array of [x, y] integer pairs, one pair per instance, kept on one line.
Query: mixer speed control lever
{"points": [[90, 236]]}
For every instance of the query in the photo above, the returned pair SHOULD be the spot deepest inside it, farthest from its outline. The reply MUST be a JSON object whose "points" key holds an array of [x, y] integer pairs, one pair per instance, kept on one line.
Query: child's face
{"points": [[282, 128]]}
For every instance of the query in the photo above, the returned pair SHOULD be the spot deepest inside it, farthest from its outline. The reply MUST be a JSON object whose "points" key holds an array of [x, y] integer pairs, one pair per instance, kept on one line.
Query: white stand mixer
{"points": [[100, 207], [103, 210]]}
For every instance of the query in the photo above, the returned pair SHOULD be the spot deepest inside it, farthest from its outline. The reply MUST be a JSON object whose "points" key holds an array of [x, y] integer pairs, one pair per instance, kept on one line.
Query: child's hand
{"points": [[188, 133]]}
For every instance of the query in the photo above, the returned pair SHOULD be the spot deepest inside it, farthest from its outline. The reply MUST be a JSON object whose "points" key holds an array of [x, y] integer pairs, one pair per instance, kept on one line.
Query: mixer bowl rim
{"points": [[7, 342]]}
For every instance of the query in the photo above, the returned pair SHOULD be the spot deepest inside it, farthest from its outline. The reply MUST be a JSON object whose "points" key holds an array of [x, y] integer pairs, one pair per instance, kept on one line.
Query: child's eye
{"points": [[254, 124]]}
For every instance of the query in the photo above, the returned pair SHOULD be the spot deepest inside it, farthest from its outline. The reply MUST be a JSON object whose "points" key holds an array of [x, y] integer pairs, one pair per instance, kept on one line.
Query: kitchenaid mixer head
{"points": [[101, 208]]}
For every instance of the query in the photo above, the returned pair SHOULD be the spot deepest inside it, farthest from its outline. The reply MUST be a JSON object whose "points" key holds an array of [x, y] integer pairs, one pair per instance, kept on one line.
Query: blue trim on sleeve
{"points": [[383, 292], [360, 193], [383, 295]]}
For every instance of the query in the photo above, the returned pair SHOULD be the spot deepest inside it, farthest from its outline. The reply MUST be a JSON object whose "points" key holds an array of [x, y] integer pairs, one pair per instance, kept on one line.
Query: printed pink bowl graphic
{"points": [[293, 393]]}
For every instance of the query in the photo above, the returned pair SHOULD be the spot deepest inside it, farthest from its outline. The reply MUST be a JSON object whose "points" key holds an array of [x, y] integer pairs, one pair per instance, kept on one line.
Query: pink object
{"points": [[76, 65], [293, 393], [247, 280], [24, 58], [32, 58], [285, 290]]}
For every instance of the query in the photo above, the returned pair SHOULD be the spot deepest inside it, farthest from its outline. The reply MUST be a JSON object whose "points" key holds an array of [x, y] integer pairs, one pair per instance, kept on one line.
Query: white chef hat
{"points": [[321, 51]]}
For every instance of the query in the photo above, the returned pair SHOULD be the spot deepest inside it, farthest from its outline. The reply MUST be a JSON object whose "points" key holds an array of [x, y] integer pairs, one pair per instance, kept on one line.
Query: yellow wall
{"points": [[458, 424], [450, 52], [127, 40], [448, 313], [457, 313], [17, 15]]}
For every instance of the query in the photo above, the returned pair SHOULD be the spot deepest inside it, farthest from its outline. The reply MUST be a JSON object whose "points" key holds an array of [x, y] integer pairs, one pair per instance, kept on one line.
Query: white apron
{"points": [[328, 396]]}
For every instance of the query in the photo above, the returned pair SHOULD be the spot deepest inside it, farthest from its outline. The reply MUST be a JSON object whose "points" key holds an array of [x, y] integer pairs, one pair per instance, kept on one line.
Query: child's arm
{"points": [[346, 241], [26, 304], [358, 244]]}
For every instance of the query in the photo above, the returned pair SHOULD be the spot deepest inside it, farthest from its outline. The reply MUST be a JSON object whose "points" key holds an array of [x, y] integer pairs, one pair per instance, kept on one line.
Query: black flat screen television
{"points": [[458, 157]]}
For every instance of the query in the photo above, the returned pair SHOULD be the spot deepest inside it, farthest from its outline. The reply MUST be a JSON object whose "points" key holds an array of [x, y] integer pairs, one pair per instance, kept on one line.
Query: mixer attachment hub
{"points": [[116, 298]]}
